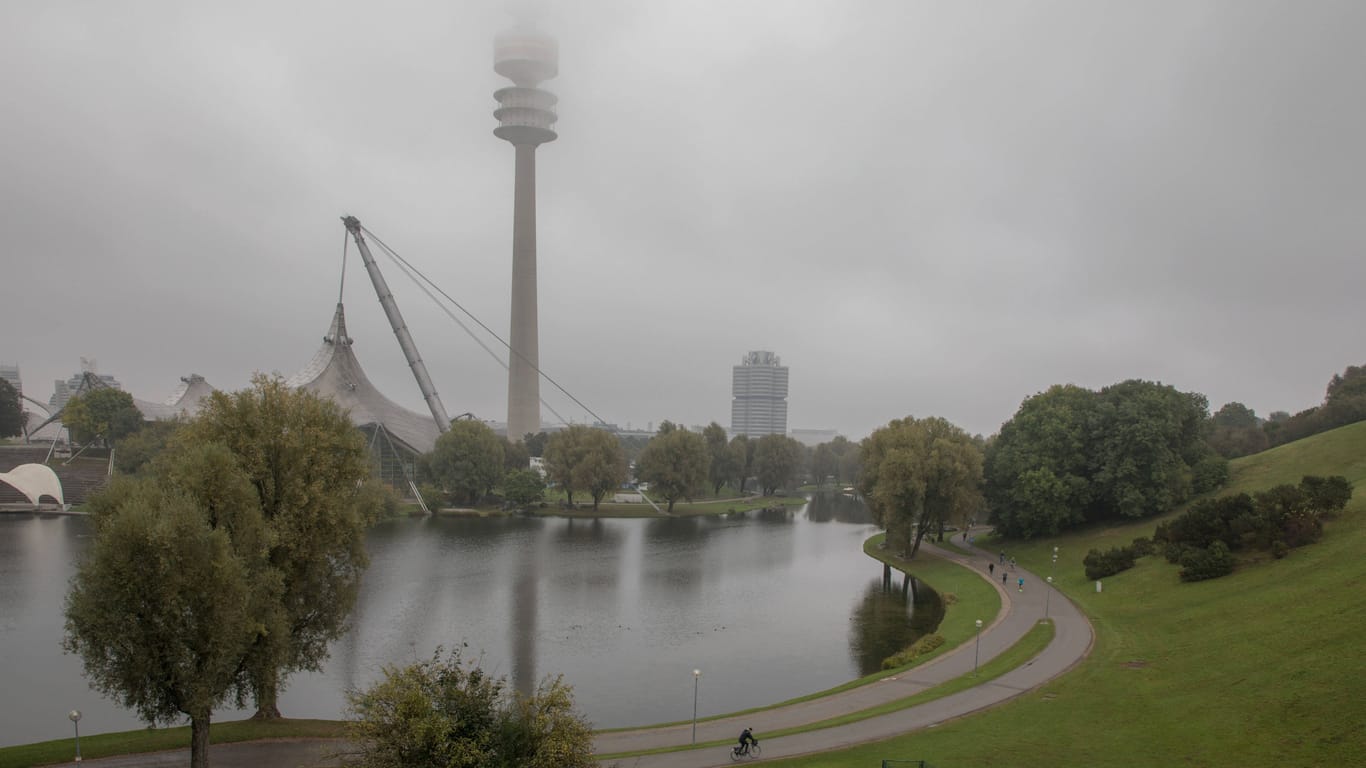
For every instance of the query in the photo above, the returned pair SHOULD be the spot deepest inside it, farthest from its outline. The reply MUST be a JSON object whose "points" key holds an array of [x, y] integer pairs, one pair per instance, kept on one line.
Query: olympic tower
{"points": [[525, 115]]}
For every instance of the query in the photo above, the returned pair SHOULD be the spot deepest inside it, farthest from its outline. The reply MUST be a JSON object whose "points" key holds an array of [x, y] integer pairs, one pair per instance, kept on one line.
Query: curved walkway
{"points": [[1072, 641]]}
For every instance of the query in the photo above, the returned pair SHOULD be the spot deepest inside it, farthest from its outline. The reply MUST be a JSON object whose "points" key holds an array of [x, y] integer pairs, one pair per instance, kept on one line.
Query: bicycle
{"points": [[748, 752]]}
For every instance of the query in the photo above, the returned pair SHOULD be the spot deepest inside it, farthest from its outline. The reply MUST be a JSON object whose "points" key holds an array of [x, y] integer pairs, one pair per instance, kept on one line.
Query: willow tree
{"points": [[309, 469], [917, 473], [674, 463], [580, 458], [167, 605]]}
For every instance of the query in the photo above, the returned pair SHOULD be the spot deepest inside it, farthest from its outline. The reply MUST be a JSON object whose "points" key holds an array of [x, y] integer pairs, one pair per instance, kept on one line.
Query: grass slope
{"points": [[1263, 667], [158, 739]]}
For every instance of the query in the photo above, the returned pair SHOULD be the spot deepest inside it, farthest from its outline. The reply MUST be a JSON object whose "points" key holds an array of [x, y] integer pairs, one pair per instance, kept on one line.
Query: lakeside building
{"points": [[63, 390], [814, 437], [759, 395], [10, 373]]}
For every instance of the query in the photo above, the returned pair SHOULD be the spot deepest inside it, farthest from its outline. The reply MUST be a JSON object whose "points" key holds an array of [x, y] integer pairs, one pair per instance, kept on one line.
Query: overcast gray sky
{"points": [[927, 208]]}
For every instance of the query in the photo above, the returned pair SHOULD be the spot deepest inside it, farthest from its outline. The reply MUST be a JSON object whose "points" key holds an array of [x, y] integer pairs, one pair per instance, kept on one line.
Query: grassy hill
{"points": [[1265, 667]]}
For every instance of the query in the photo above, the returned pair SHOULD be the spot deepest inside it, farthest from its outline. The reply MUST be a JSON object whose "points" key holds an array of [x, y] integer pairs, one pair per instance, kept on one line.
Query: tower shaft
{"points": [[526, 116], [524, 382]]}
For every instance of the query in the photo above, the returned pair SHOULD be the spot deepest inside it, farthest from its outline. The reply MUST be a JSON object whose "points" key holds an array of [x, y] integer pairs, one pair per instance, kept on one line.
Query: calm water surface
{"points": [[769, 605]]}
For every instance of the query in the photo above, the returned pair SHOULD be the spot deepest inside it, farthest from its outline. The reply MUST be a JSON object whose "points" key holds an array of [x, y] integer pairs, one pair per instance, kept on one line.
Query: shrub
{"points": [[913, 651], [1209, 473], [1208, 563], [1101, 564], [432, 495], [1175, 551], [452, 713], [1142, 546], [1327, 495]]}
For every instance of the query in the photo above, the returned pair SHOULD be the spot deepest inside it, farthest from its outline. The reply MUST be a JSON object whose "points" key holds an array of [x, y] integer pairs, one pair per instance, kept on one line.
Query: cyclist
{"points": [[746, 738]]}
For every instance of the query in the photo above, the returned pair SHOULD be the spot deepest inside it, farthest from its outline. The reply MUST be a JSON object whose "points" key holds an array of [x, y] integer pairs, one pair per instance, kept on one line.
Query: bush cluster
{"points": [[1101, 564], [1204, 539], [1209, 563], [913, 651]]}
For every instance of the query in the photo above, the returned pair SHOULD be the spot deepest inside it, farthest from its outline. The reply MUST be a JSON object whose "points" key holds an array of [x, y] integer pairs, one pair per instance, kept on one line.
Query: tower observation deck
{"points": [[525, 114]]}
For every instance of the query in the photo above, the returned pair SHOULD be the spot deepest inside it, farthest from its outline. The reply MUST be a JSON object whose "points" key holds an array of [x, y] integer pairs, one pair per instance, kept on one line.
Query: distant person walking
{"points": [[1012, 563], [991, 568], [1003, 557], [1021, 583], [1004, 576]]}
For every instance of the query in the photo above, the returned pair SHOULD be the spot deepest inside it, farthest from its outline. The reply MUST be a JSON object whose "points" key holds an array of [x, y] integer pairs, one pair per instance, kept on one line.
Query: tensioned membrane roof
{"points": [[34, 481], [335, 372], [185, 400]]}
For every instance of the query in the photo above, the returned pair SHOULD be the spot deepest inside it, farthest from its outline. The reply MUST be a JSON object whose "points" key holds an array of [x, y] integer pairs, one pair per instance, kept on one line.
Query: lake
{"points": [[769, 605]]}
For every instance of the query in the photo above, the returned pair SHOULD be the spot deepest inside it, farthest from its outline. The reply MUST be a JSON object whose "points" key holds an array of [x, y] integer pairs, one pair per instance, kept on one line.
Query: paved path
{"points": [[1020, 611]]}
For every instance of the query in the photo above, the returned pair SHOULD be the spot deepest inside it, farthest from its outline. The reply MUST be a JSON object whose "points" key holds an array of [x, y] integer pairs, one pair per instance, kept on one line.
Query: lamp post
{"points": [[1047, 593], [696, 675], [75, 717], [976, 649]]}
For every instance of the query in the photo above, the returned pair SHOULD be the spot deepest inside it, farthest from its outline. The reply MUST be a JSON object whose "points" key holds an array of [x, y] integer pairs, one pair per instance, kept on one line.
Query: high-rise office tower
{"points": [[525, 115], [758, 392]]}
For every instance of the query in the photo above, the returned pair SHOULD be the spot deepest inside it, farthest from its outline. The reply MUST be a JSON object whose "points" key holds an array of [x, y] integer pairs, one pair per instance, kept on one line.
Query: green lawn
{"points": [[158, 739], [1261, 668]]}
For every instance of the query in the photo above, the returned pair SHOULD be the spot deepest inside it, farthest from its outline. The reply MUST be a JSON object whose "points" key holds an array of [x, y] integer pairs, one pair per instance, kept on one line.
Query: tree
{"points": [[776, 460], [563, 452], [1234, 430], [535, 444], [523, 487], [1344, 403], [1148, 440], [1038, 470], [602, 467], [137, 450], [824, 464], [585, 459], [467, 461], [12, 414], [851, 462], [916, 474], [164, 609], [446, 713], [724, 461], [1070, 455], [1349, 384], [515, 455], [309, 469], [742, 460], [105, 414], [674, 463]]}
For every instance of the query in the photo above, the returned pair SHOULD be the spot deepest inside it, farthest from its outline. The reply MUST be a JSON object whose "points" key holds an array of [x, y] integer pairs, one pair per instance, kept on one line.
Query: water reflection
{"points": [[523, 629], [838, 507], [881, 624], [762, 602]]}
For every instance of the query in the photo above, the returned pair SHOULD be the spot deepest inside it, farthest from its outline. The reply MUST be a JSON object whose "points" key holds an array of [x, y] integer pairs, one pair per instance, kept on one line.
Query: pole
{"points": [[75, 716], [977, 648], [696, 674]]}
